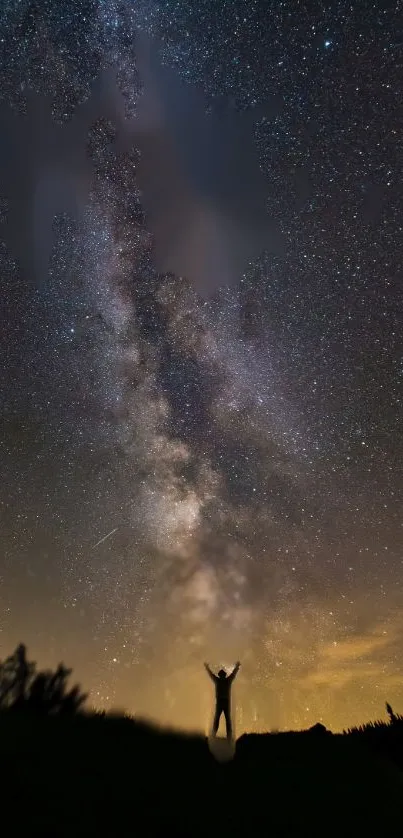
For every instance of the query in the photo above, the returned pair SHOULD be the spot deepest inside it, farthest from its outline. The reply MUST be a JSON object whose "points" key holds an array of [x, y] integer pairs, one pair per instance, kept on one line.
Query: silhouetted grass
{"points": [[101, 775]]}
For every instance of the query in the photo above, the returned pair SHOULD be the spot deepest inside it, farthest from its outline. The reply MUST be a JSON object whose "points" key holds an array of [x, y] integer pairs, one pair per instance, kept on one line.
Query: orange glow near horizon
{"points": [[307, 670]]}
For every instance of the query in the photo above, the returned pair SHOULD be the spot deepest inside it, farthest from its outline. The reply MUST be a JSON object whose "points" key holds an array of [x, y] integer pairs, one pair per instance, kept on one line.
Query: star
{"points": [[201, 361]]}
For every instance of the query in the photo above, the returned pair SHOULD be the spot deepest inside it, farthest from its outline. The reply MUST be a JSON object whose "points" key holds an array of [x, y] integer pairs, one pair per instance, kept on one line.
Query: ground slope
{"points": [[114, 777]]}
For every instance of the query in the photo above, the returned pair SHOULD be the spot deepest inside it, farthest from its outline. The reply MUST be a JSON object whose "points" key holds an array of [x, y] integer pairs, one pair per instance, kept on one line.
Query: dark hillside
{"points": [[94, 775]]}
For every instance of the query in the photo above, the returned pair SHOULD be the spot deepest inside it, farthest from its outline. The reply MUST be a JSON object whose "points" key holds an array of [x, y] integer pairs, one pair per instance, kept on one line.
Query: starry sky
{"points": [[201, 353]]}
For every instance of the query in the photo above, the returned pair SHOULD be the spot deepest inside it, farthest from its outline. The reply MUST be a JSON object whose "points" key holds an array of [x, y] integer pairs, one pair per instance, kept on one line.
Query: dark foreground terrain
{"points": [[94, 775]]}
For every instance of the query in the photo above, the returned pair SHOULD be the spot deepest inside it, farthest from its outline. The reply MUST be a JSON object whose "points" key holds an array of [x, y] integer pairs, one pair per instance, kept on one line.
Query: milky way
{"points": [[202, 354]]}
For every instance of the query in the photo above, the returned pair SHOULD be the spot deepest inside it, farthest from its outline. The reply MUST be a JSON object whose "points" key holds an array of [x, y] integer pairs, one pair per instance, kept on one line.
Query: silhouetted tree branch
{"points": [[21, 686]]}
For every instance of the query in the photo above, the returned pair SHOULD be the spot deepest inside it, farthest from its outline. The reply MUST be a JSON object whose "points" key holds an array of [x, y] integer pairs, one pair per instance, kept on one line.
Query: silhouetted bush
{"points": [[22, 687], [383, 737], [94, 774]]}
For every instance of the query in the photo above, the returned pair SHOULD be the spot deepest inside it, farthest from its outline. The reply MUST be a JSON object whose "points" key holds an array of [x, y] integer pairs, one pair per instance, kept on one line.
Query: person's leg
{"points": [[228, 723], [216, 722]]}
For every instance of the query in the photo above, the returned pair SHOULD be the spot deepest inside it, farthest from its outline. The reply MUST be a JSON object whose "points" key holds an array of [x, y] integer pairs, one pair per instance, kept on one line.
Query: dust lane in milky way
{"points": [[193, 471]]}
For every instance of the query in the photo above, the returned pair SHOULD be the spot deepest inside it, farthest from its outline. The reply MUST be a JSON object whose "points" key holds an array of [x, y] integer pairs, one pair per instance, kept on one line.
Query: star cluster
{"points": [[214, 475]]}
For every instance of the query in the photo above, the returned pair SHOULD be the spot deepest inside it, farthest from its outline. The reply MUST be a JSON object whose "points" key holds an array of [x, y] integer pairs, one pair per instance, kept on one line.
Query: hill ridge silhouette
{"points": [[92, 773]]}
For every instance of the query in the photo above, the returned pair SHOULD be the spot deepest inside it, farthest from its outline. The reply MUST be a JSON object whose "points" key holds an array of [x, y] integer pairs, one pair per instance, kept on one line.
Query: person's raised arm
{"points": [[234, 671], [209, 671]]}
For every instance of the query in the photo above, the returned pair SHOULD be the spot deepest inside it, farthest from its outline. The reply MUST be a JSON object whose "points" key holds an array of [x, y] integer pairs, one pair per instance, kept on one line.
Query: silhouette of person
{"points": [[222, 683]]}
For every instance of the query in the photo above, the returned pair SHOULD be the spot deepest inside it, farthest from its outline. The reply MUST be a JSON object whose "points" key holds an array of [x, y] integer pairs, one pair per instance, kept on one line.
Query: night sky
{"points": [[201, 353]]}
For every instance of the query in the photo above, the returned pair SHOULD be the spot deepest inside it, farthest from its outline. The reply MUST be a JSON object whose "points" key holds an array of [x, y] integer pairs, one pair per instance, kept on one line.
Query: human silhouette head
{"points": [[222, 673]]}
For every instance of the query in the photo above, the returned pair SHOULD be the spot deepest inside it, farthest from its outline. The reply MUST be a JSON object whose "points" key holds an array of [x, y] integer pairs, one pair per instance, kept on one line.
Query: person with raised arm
{"points": [[222, 683]]}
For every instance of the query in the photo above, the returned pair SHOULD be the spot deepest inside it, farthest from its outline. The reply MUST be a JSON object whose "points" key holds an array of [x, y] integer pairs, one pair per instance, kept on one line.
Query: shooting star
{"points": [[101, 540]]}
